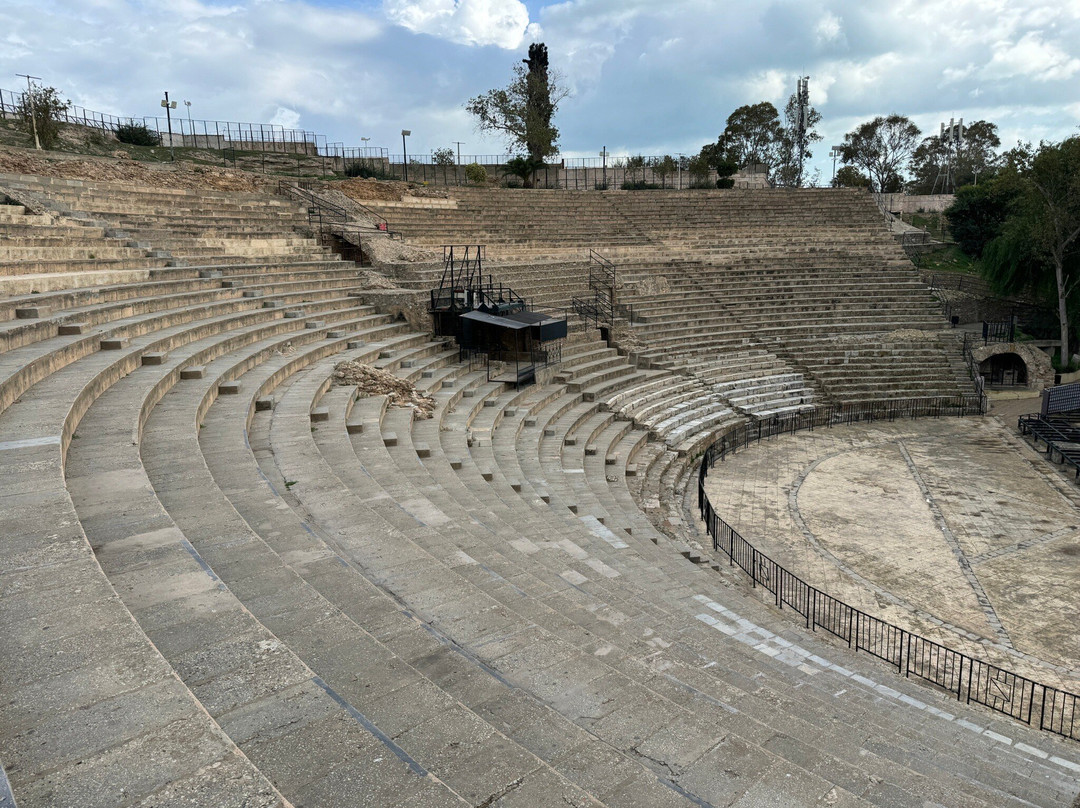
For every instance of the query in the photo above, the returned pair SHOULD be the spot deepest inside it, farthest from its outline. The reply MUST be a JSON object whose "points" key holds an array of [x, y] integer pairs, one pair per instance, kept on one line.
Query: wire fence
{"points": [[970, 680], [232, 139]]}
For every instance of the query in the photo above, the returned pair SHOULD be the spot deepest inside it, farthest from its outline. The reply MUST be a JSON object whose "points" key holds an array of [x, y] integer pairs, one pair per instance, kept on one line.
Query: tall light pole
{"points": [[405, 153], [191, 126], [834, 153], [169, 107], [682, 158], [33, 107], [603, 153]]}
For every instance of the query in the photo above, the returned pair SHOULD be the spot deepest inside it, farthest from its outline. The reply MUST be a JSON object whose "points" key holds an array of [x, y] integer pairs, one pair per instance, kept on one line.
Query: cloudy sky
{"points": [[646, 76]]}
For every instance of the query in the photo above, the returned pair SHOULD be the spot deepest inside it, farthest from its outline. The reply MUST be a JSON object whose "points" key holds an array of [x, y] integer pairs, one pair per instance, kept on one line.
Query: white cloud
{"points": [[503, 23], [1031, 56], [286, 118], [829, 29]]}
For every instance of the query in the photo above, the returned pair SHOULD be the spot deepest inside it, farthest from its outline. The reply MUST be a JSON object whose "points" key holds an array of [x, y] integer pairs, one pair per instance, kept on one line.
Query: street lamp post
{"points": [[191, 126], [458, 143], [405, 153], [169, 106], [682, 157], [603, 153]]}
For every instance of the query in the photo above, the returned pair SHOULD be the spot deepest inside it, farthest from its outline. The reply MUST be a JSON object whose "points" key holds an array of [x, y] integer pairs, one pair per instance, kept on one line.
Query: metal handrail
{"points": [[971, 680]]}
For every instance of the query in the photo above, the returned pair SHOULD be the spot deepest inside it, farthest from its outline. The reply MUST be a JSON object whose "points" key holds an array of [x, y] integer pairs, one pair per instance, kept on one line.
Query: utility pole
{"points": [[169, 106], [836, 151], [30, 102], [459, 144], [603, 153], [191, 126], [802, 123], [405, 153]]}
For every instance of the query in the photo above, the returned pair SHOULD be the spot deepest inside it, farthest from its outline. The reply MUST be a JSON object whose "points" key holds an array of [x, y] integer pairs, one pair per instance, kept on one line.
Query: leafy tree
{"points": [[137, 134], [698, 168], [476, 174], [963, 164], [977, 215], [850, 177], [443, 157], [664, 167], [41, 107], [523, 167], [634, 165], [523, 111], [1039, 245], [753, 134], [880, 148], [790, 170]]}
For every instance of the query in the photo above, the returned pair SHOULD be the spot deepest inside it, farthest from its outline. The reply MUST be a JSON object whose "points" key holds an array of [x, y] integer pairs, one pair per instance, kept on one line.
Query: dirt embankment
{"points": [[181, 175]]}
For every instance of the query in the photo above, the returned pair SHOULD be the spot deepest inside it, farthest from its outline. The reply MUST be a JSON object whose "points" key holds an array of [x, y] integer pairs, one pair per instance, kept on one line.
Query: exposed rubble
{"points": [[372, 381]]}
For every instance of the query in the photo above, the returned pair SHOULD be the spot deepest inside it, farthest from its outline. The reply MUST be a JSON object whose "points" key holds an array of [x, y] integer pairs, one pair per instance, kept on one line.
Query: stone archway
{"points": [[1014, 364]]}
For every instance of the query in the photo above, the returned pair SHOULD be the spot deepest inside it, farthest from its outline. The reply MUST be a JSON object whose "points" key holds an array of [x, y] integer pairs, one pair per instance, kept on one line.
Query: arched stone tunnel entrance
{"points": [[1011, 364]]}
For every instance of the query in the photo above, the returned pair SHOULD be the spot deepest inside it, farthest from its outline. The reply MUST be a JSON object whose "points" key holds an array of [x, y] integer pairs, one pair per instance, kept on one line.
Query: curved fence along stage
{"points": [[971, 680]]}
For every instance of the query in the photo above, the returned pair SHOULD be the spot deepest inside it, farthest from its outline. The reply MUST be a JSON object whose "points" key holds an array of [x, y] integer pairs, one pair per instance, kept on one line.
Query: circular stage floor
{"points": [[953, 528]]}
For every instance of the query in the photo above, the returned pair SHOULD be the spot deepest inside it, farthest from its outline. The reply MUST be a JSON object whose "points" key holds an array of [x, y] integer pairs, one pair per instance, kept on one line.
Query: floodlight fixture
{"points": [[169, 106]]}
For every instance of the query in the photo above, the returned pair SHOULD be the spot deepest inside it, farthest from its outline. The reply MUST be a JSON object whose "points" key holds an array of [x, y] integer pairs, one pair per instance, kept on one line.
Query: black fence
{"points": [[970, 680]]}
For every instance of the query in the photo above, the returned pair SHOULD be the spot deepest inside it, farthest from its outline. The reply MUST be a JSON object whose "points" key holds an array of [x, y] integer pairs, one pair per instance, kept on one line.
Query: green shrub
{"points": [[137, 134], [365, 170], [640, 185], [40, 109], [725, 182], [476, 174]]}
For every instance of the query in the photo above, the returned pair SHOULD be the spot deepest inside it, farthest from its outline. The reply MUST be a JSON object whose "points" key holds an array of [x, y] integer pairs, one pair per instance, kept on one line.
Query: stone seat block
{"points": [[335, 334], [320, 414], [193, 372], [231, 388], [355, 427], [353, 344], [315, 324], [231, 284], [32, 312], [264, 403], [71, 329], [390, 439], [154, 357], [293, 314], [114, 343], [422, 450]]}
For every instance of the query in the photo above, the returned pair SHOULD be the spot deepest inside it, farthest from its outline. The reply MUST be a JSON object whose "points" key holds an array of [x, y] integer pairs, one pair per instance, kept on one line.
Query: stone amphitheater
{"points": [[226, 580]]}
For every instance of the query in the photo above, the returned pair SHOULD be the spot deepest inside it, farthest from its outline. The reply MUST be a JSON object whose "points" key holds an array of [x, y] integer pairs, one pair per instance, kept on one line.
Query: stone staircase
{"points": [[227, 582]]}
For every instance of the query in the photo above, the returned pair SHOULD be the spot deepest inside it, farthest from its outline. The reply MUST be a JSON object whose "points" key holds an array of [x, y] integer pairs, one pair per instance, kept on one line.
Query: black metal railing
{"points": [[971, 680]]}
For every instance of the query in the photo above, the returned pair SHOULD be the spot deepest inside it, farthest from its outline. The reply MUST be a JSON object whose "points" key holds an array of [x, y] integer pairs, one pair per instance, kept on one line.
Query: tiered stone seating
{"points": [[227, 582]]}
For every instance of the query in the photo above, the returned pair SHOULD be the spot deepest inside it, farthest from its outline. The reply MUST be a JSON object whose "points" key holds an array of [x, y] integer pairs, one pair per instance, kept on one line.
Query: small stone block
{"points": [[530, 421], [253, 293], [209, 273], [320, 414], [32, 312], [600, 519], [228, 388], [490, 402], [423, 450], [354, 427], [515, 485], [293, 314], [611, 459], [271, 304], [335, 334], [572, 508], [385, 354], [455, 464], [427, 374], [590, 450], [354, 343], [629, 531], [631, 470], [408, 363], [314, 323], [113, 344], [470, 393], [549, 431], [570, 440], [546, 497], [450, 383], [231, 284], [511, 412], [389, 439], [70, 329], [154, 358], [263, 404], [487, 474], [192, 372]]}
